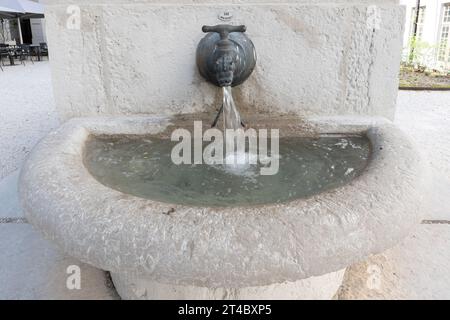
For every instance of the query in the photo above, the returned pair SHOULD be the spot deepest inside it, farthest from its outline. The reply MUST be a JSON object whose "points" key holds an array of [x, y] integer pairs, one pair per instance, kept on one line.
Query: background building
{"points": [[33, 30], [433, 28]]}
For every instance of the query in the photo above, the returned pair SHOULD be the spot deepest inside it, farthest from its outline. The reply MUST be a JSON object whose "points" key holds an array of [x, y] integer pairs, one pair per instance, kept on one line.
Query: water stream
{"points": [[234, 160], [231, 116]]}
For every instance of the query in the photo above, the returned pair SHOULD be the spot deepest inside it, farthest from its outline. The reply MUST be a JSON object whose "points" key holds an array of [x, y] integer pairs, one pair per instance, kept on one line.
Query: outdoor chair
{"points": [[18, 53], [3, 53], [25, 52], [44, 49]]}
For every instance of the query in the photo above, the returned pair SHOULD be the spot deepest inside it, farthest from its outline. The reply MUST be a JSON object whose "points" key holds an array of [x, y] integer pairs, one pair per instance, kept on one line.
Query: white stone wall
{"points": [[138, 56]]}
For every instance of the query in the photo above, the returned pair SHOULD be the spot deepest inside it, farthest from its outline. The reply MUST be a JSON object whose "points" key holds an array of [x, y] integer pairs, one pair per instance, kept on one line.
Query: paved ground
{"points": [[31, 267], [419, 267], [425, 116], [27, 111]]}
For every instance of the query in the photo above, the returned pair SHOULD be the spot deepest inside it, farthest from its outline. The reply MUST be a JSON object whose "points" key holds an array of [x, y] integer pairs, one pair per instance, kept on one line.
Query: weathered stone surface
{"points": [[223, 2], [217, 247], [314, 57], [314, 288], [418, 268], [33, 268]]}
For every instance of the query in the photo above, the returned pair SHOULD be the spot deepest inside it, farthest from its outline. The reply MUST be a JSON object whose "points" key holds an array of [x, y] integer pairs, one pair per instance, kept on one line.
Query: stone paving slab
{"points": [[33, 268], [27, 112], [418, 268], [425, 117], [9, 199]]}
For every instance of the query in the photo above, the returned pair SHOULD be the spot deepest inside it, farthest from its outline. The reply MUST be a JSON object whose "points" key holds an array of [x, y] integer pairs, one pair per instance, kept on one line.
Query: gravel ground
{"points": [[27, 111], [410, 78]]}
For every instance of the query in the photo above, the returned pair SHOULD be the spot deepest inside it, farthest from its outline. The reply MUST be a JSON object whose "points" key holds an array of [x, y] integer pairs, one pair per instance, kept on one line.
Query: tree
{"points": [[414, 35]]}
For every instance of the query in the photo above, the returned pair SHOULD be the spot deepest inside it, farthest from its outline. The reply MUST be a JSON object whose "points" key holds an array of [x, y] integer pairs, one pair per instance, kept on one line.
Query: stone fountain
{"points": [[103, 187]]}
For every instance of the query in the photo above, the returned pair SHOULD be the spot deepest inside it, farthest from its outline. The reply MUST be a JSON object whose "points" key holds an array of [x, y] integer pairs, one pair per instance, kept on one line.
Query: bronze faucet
{"points": [[225, 56]]}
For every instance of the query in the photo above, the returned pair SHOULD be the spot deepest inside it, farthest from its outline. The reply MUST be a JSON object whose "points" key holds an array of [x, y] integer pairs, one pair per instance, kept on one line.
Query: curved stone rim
{"points": [[221, 247]]}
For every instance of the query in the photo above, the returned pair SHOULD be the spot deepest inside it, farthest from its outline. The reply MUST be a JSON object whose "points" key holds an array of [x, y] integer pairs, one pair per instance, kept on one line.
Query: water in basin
{"points": [[142, 166]]}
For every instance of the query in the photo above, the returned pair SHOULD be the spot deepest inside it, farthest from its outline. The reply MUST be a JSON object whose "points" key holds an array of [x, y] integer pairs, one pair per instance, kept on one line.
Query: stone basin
{"points": [[293, 249]]}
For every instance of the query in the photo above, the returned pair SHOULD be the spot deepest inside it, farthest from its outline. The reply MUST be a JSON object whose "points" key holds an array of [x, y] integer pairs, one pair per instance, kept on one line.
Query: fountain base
{"points": [[314, 288]]}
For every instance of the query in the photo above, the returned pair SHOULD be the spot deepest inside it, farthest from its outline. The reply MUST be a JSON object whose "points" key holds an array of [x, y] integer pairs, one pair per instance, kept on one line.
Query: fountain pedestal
{"points": [[323, 287]]}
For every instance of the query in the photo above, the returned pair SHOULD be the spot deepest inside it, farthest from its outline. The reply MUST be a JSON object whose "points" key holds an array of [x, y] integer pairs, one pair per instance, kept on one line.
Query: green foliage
{"points": [[419, 54]]}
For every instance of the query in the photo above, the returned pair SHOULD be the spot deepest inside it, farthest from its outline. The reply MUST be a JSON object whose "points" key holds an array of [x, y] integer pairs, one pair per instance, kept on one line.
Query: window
{"points": [[446, 15], [444, 45], [420, 22]]}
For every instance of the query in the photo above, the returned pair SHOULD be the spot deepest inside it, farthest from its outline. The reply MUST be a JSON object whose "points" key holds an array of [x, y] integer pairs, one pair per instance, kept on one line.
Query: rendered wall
{"points": [[138, 56]]}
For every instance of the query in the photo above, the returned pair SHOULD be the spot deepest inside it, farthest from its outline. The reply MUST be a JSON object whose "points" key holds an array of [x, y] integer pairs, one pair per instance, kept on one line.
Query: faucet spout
{"points": [[224, 68], [225, 56]]}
